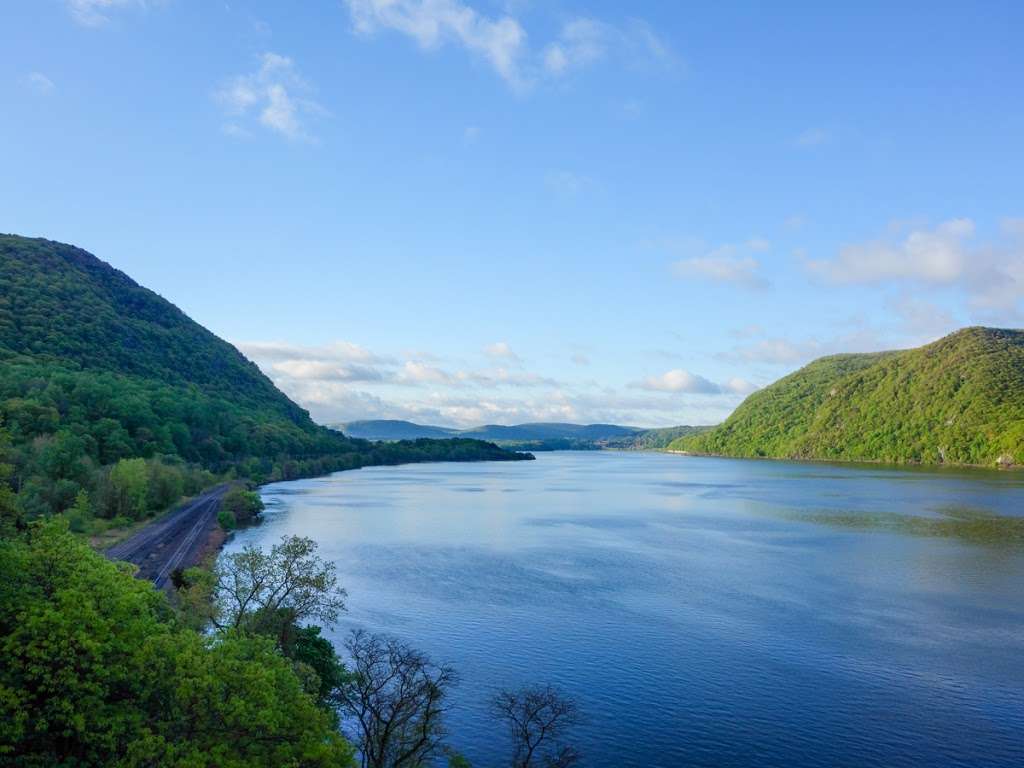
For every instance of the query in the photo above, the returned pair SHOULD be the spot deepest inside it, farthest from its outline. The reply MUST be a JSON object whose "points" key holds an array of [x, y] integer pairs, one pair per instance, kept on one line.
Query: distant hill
{"points": [[393, 429], [533, 436], [959, 400], [655, 439], [387, 429], [94, 368], [550, 431]]}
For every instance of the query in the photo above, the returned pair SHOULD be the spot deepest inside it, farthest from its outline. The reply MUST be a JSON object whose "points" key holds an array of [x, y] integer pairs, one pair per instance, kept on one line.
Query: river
{"points": [[702, 611]]}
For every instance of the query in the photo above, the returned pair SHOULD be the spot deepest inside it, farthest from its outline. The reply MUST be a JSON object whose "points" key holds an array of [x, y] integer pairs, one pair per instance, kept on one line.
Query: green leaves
{"points": [[98, 672], [959, 400]]}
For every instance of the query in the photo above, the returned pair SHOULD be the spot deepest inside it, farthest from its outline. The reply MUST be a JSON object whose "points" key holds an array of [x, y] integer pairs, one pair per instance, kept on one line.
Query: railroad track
{"points": [[173, 542]]}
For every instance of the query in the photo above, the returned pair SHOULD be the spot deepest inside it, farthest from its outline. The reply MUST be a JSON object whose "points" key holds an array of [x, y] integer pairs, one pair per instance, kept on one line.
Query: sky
{"points": [[473, 211]]}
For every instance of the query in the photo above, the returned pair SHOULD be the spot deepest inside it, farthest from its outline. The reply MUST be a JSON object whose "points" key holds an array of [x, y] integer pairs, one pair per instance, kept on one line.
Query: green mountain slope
{"points": [[62, 303], [959, 400], [95, 369]]}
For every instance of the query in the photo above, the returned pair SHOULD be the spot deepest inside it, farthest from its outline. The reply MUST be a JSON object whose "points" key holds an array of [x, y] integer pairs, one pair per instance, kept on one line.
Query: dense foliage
{"points": [[98, 671], [96, 371], [959, 400], [655, 439]]}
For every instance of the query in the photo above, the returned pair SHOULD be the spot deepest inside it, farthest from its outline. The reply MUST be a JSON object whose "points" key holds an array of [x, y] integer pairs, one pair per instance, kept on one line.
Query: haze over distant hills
{"points": [[537, 436], [959, 400]]}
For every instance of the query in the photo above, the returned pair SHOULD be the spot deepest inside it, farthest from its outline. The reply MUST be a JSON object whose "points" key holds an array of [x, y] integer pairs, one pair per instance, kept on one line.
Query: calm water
{"points": [[703, 611]]}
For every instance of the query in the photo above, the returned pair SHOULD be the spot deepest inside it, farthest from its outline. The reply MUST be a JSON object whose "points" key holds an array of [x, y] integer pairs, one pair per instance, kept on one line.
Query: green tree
{"points": [[242, 504], [270, 593], [98, 672], [80, 512], [129, 485], [306, 646]]}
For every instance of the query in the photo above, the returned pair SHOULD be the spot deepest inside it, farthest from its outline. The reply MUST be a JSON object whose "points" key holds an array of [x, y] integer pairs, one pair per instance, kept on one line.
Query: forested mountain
{"points": [[61, 303], [96, 370], [959, 400]]}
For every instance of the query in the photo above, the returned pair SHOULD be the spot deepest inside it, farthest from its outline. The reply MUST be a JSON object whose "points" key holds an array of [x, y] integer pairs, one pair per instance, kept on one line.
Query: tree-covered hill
{"points": [[959, 400], [60, 303], [96, 370], [655, 439]]}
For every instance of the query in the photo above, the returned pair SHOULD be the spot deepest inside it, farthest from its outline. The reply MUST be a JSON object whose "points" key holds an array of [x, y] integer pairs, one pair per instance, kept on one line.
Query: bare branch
{"points": [[394, 702], [538, 718]]}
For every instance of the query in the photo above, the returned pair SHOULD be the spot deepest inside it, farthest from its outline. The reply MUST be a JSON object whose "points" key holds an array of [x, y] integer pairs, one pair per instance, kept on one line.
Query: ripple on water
{"points": [[703, 611]]}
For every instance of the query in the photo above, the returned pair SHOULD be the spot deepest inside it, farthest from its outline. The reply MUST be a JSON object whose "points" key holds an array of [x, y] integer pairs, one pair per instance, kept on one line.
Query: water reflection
{"points": [[704, 611]]}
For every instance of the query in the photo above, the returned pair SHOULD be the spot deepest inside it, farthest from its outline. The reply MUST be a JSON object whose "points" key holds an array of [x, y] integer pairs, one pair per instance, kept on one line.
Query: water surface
{"points": [[706, 612]]}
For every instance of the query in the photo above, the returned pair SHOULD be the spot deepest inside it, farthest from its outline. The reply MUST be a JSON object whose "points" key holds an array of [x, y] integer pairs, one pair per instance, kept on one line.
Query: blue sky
{"points": [[469, 211]]}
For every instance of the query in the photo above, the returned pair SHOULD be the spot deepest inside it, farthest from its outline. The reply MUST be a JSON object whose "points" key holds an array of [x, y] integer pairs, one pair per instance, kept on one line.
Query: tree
{"points": [[97, 672], [538, 718], [80, 512], [272, 593], [128, 488], [308, 648], [394, 701], [242, 504], [11, 519]]}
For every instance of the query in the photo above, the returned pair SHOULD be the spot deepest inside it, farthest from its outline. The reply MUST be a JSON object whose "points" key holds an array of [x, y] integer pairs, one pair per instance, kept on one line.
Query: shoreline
{"points": [[852, 462]]}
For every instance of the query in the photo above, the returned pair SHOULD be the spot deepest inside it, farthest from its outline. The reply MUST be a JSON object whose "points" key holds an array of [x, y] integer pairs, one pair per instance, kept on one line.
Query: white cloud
{"points": [[342, 352], [578, 358], [93, 13], [931, 256], [1013, 227], [500, 350], [471, 133], [502, 377], [582, 42], [344, 381], [414, 372], [645, 45], [740, 386], [679, 380], [502, 40], [990, 274], [39, 82], [813, 137], [722, 266], [322, 370], [275, 95], [728, 263], [431, 23]]}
